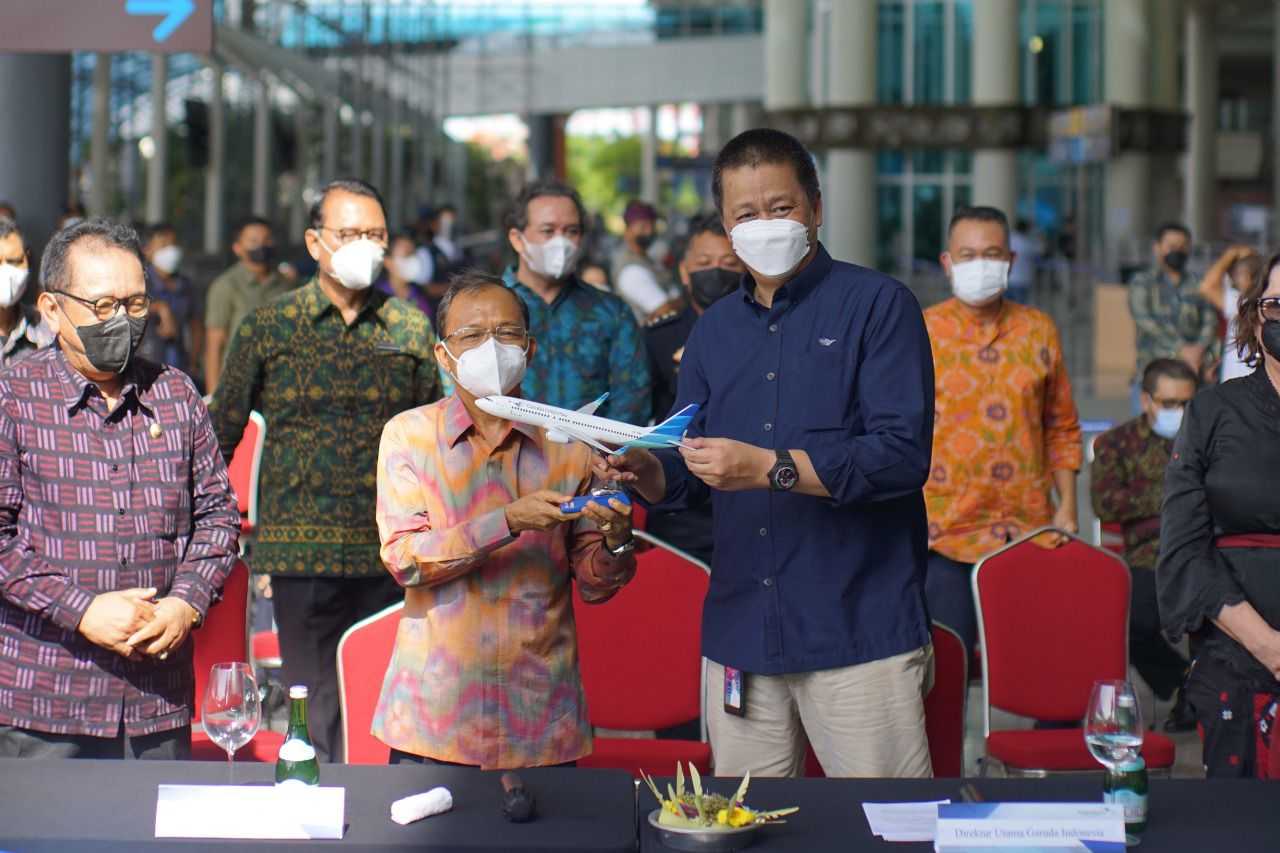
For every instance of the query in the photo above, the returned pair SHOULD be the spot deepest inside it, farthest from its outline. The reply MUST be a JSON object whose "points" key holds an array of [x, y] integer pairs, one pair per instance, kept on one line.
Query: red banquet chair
{"points": [[944, 707], [363, 654], [224, 637], [246, 463], [1052, 622], [641, 662]]}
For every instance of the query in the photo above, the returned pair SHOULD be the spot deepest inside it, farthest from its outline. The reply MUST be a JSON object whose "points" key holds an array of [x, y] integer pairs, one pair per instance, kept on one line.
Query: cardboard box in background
{"points": [[1114, 345]]}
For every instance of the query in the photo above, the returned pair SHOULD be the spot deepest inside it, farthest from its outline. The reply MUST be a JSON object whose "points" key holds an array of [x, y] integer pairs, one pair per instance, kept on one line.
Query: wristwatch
{"points": [[623, 549], [784, 474]]}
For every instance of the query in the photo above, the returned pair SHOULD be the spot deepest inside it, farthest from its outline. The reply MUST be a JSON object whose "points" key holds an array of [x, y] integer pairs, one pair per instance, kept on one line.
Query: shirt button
{"points": [[768, 427], [120, 512], [764, 531], [773, 327], [115, 468], [124, 561], [768, 581], [770, 376]]}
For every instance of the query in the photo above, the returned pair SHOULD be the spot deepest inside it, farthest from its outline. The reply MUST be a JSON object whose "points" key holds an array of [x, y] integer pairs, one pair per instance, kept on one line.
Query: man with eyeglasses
{"points": [[589, 339], [253, 281], [118, 525], [1127, 488], [327, 365], [484, 671]]}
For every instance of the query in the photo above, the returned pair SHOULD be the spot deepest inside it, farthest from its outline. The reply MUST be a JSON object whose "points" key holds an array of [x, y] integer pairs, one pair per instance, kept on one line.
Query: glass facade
{"points": [[925, 56]]}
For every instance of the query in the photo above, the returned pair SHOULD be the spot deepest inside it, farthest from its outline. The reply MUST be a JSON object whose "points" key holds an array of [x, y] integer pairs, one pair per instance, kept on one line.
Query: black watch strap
{"points": [[784, 475]]}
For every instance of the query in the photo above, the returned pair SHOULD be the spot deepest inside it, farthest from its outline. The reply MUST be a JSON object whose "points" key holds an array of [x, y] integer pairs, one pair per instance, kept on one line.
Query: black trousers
{"points": [[311, 616], [1159, 664], [173, 745]]}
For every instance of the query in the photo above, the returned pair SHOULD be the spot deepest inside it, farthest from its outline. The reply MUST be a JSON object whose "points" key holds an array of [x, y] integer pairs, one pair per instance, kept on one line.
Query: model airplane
{"points": [[607, 436]]}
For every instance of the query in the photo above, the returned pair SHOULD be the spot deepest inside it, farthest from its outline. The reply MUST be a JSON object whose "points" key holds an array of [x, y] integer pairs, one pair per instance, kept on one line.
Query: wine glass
{"points": [[1113, 727], [231, 711]]}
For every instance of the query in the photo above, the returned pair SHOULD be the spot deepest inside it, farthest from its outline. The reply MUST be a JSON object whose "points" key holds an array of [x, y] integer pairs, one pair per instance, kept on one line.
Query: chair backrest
{"points": [[1051, 621], [1111, 534], [363, 655], [640, 652], [246, 462], [224, 634], [944, 707]]}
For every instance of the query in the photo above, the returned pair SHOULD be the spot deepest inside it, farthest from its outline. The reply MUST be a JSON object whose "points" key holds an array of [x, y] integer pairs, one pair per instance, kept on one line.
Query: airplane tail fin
{"points": [[669, 432]]}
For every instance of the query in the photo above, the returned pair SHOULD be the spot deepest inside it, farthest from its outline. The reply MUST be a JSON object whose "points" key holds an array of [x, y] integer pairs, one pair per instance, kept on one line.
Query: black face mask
{"points": [[706, 286], [1176, 261], [263, 255], [110, 345], [644, 241], [1271, 338]]}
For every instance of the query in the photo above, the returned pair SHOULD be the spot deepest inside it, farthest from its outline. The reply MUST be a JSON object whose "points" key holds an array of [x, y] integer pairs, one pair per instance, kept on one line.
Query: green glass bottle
{"points": [[297, 763], [1126, 785]]}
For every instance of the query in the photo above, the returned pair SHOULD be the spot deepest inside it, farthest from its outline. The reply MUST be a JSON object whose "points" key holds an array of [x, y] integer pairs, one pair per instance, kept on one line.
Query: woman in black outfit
{"points": [[1219, 570]]}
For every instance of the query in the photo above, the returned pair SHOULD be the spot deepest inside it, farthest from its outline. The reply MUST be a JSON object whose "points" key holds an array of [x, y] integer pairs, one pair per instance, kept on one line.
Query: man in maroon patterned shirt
{"points": [[118, 525]]}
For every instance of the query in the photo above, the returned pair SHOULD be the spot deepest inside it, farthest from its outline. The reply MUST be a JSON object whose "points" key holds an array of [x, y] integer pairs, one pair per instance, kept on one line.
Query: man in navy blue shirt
{"points": [[815, 382]]}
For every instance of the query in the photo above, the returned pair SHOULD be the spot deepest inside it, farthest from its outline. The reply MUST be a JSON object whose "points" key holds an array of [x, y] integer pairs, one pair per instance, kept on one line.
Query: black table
{"points": [[101, 806], [1187, 815]]}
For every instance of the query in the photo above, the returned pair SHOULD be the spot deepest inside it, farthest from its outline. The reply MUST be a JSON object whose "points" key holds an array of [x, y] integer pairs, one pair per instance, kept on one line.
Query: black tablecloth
{"points": [[1187, 815], [103, 806]]}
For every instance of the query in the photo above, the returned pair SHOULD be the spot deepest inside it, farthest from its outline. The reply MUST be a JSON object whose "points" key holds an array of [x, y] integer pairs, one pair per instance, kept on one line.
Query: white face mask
{"points": [[411, 268], [772, 247], [1167, 422], [167, 259], [490, 369], [978, 282], [554, 258], [13, 281], [356, 264]]}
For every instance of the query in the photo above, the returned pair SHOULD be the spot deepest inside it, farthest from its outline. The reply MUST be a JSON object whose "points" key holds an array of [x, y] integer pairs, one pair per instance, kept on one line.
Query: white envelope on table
{"points": [[249, 811]]}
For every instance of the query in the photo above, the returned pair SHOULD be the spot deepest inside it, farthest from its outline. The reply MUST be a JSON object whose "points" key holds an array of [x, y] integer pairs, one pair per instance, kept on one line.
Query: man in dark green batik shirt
{"points": [[1128, 488], [327, 366]]}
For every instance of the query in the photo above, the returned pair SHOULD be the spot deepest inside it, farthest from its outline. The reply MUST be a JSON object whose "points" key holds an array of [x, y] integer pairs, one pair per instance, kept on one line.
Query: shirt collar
{"points": [[457, 420], [76, 389], [567, 285], [29, 328], [316, 303], [795, 289]]}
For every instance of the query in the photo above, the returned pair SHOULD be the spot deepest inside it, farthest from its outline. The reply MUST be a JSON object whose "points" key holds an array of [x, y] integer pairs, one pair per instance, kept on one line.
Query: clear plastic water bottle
{"points": [[297, 764], [1126, 785]]}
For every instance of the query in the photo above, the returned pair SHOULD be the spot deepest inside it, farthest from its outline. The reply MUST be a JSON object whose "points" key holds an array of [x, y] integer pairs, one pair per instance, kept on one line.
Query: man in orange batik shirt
{"points": [[1006, 432]]}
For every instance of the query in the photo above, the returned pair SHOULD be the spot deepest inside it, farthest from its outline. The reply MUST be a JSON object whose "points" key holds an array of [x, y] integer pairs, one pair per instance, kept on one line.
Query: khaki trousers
{"points": [[865, 720]]}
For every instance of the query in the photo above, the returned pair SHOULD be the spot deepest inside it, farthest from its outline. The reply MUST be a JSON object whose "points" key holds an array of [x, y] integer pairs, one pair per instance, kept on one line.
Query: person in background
{"points": [[22, 330], [1026, 260], [327, 365], [816, 394], [118, 526], [641, 282], [589, 341], [709, 270], [470, 523], [1232, 273], [8, 211], [178, 329], [1006, 434], [1127, 480], [1171, 318], [251, 282], [443, 226], [1216, 578], [595, 275], [403, 275], [72, 214]]}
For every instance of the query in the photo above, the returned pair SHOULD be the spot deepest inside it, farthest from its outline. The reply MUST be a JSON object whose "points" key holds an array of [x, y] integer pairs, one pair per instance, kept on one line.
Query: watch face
{"points": [[786, 478]]}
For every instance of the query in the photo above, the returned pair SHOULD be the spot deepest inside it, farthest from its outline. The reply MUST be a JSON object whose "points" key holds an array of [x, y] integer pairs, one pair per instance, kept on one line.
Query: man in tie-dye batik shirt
{"points": [[485, 667]]}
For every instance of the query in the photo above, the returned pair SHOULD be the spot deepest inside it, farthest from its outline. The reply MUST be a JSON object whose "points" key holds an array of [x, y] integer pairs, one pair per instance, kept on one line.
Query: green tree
{"points": [[605, 171]]}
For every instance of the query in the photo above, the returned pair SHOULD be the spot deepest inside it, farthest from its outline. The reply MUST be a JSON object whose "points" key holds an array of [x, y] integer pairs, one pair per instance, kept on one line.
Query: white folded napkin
{"points": [[409, 809]]}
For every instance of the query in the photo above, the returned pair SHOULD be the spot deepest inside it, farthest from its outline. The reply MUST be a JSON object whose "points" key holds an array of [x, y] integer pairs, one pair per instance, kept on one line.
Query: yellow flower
{"points": [[741, 817], [722, 816]]}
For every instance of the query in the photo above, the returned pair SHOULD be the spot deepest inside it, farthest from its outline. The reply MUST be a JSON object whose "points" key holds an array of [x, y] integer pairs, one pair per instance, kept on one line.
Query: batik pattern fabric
{"points": [[1127, 485], [1168, 315], [485, 667], [1004, 422]]}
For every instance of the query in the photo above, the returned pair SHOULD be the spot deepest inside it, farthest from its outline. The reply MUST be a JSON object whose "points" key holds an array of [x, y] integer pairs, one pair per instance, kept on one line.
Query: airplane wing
{"points": [[578, 435], [590, 408]]}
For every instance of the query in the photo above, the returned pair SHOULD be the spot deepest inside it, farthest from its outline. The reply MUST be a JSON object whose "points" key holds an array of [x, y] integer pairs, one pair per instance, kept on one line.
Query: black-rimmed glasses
{"points": [[104, 308]]}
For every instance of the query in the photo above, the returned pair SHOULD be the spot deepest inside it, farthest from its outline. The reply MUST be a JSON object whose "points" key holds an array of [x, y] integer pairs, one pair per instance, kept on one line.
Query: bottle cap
{"points": [[298, 691]]}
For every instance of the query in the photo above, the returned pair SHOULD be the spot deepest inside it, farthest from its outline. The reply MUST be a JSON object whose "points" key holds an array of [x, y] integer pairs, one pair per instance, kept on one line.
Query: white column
{"points": [[1199, 205], [1127, 56], [158, 166], [1166, 25], [996, 61], [849, 186], [35, 100], [215, 172], [743, 115], [395, 184], [378, 148], [301, 164], [329, 167], [262, 148], [99, 145], [649, 156], [712, 138], [786, 44], [358, 130]]}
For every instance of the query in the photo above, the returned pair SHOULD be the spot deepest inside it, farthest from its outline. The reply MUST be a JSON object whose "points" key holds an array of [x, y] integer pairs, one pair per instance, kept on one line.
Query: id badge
{"points": [[735, 692]]}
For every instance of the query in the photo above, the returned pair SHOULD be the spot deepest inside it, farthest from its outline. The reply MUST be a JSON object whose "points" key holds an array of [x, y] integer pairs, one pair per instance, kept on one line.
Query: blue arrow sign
{"points": [[175, 12]]}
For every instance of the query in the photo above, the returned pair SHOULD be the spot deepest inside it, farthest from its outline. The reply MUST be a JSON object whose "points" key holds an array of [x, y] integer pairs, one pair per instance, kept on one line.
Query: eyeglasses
{"points": [[106, 307], [350, 235], [1269, 307], [469, 337]]}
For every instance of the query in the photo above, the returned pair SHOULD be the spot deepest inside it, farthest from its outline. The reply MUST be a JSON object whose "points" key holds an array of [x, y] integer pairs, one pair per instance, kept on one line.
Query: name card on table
{"points": [[974, 827], [249, 811]]}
